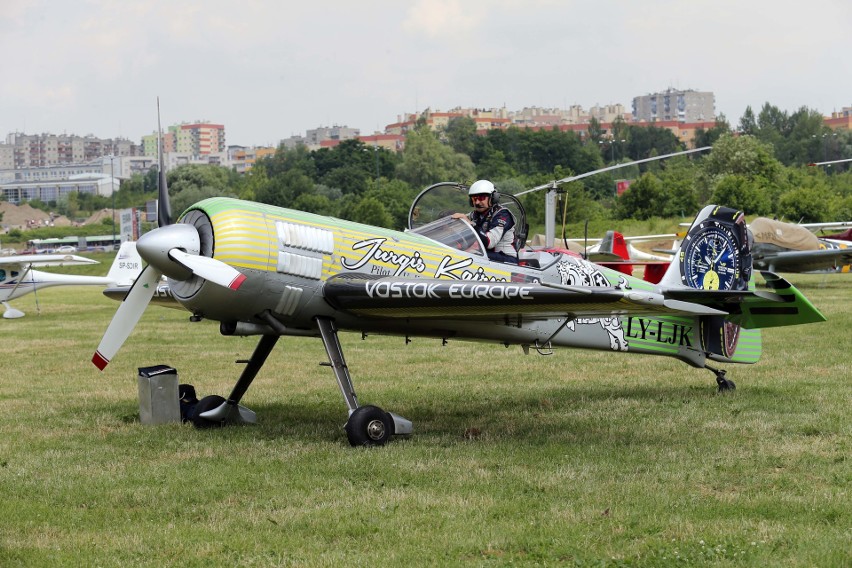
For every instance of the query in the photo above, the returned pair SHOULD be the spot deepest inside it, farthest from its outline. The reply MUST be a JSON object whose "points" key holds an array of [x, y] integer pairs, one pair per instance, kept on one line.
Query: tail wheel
{"points": [[207, 403]]}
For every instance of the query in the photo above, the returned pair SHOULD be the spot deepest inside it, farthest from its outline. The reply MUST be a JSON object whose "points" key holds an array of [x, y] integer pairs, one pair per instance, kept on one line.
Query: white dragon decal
{"points": [[583, 273]]}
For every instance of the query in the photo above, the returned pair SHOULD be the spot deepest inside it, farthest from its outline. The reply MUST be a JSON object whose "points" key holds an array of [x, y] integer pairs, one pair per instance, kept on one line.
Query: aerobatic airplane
{"points": [[271, 272], [18, 276]]}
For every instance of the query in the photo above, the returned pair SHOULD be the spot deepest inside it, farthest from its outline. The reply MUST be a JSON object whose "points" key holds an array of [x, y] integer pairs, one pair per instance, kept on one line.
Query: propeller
{"points": [[171, 250], [126, 316]]}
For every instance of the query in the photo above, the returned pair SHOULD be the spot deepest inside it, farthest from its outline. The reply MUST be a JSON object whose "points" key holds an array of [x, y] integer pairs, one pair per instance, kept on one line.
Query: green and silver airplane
{"points": [[272, 272]]}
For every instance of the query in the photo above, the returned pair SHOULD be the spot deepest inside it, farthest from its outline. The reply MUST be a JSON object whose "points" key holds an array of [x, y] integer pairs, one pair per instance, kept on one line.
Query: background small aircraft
{"points": [[18, 275], [784, 247], [268, 271]]}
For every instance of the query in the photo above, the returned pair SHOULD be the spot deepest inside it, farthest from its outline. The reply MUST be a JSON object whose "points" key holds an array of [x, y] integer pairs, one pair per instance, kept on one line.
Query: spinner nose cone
{"points": [[154, 247]]}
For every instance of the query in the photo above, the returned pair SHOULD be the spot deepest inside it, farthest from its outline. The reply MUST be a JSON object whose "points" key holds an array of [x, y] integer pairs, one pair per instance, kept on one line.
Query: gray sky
{"points": [[271, 69]]}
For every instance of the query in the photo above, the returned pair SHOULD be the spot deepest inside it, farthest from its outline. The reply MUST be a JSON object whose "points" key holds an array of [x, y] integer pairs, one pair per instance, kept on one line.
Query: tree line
{"points": [[761, 167]]}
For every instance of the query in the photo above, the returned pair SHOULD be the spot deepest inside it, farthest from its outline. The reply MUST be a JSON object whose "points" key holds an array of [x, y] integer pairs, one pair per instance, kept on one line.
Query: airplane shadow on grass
{"points": [[574, 413]]}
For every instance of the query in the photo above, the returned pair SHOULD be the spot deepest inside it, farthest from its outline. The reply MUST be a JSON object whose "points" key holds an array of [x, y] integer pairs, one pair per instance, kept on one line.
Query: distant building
{"points": [[839, 120], [680, 106], [40, 150], [47, 191], [316, 138], [193, 139], [242, 158]]}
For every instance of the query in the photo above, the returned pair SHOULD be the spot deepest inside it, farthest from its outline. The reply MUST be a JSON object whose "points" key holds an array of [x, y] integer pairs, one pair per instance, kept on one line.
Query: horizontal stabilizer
{"points": [[754, 309]]}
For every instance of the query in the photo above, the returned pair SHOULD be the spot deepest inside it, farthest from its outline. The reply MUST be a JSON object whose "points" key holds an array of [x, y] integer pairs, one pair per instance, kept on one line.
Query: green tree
{"points": [[349, 178], [748, 122], [426, 160], [284, 160], [644, 199], [810, 201], [748, 194], [710, 136], [743, 156], [681, 196], [494, 166], [461, 134], [315, 203], [649, 141], [396, 197], [284, 189], [371, 211], [202, 176]]}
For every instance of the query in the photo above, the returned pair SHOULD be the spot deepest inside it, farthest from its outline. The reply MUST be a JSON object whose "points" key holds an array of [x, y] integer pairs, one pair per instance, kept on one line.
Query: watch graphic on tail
{"points": [[717, 254]]}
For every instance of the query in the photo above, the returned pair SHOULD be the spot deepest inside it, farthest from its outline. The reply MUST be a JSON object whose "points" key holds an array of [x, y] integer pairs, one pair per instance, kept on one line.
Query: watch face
{"points": [[710, 260]]}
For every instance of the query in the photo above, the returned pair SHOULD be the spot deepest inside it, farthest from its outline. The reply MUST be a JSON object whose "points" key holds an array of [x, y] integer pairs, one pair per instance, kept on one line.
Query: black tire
{"points": [[369, 426], [727, 385], [205, 404]]}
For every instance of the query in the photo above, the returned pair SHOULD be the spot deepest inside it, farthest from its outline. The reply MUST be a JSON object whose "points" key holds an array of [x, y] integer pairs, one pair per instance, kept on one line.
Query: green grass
{"points": [[579, 458]]}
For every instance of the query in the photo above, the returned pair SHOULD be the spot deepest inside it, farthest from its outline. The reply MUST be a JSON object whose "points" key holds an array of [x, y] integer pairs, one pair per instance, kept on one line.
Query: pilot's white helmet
{"points": [[483, 187]]}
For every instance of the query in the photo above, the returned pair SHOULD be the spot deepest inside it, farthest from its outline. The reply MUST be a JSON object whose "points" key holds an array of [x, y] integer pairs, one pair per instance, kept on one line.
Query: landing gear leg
{"points": [[725, 385], [367, 425], [222, 410]]}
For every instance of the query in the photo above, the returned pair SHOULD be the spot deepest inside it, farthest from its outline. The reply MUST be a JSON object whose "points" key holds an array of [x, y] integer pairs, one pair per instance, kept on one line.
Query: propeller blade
{"points": [[164, 208], [126, 316], [210, 269]]}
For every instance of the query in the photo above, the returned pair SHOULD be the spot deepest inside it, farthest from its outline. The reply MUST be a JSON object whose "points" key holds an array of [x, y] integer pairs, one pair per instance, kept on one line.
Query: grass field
{"points": [[579, 458]]}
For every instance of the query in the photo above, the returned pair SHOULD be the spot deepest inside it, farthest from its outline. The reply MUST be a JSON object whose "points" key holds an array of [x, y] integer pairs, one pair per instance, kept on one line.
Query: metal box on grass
{"points": [[158, 395]]}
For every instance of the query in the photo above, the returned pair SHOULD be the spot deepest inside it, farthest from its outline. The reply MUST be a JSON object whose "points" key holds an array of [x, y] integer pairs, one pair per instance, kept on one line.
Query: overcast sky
{"points": [[268, 70]]}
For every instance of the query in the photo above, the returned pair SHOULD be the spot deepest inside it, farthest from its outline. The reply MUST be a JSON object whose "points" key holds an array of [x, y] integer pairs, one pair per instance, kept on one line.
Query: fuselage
{"points": [[16, 282], [288, 255]]}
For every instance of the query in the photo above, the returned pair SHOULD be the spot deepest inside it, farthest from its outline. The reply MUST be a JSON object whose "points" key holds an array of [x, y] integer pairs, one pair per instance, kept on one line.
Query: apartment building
{"points": [[193, 139], [671, 104], [42, 150]]}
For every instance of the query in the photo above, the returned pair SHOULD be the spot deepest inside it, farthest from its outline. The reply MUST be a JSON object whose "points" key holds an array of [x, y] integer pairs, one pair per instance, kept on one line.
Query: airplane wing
{"points": [[377, 296], [422, 298], [42, 260], [804, 261], [830, 225]]}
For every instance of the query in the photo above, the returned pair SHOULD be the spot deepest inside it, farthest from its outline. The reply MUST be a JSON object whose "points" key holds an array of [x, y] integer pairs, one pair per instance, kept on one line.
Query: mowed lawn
{"points": [[577, 458]]}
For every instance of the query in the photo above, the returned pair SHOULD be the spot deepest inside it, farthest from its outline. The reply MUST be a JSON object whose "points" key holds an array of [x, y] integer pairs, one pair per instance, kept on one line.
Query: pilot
{"points": [[494, 224]]}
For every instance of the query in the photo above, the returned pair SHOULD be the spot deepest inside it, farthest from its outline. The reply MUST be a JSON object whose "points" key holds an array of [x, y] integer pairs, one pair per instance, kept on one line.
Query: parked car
{"points": [[66, 248]]}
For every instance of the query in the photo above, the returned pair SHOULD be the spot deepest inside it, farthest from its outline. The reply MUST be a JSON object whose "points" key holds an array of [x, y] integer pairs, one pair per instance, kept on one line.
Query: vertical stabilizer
{"points": [[126, 266], [715, 254]]}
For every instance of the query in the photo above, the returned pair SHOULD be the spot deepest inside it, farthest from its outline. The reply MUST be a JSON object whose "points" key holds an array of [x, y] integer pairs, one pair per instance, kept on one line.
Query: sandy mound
{"points": [[20, 217], [99, 216]]}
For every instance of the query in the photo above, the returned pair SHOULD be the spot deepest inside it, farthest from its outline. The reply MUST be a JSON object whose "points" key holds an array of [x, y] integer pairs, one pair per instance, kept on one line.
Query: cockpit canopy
{"points": [[443, 199], [455, 233]]}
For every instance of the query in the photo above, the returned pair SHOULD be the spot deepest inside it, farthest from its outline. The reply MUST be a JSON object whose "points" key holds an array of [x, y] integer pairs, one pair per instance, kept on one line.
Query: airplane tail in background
{"points": [[126, 266], [613, 243]]}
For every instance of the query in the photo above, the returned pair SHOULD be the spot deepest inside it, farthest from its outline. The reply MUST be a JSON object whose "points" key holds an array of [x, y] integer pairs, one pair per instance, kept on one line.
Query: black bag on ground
{"points": [[188, 402]]}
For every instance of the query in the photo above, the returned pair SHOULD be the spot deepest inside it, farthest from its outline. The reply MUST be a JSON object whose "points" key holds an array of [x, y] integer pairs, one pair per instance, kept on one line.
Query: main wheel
{"points": [[369, 426], [726, 385], [207, 403]]}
